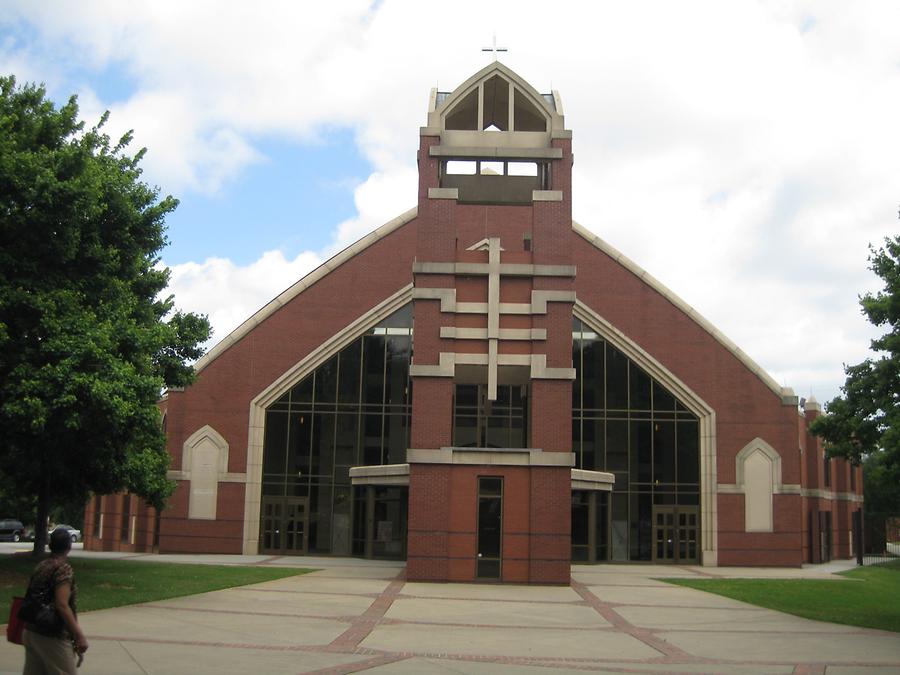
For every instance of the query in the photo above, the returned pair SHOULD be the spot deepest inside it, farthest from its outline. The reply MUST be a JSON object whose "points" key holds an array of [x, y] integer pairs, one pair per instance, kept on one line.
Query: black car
{"points": [[11, 530]]}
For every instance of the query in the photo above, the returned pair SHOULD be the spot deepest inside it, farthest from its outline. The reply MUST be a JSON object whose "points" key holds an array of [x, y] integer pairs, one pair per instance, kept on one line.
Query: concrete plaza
{"points": [[356, 615]]}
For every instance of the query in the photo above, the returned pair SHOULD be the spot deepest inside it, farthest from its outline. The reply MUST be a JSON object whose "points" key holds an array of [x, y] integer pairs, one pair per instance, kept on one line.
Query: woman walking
{"points": [[53, 651]]}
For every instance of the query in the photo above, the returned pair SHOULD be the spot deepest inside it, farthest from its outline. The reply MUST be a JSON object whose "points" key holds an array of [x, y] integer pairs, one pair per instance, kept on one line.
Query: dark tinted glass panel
{"points": [[602, 525], [373, 369], [639, 388], [594, 374], [340, 522], [579, 526], [664, 452], [489, 527], [371, 438], [662, 399], [593, 433], [346, 438], [303, 392], [402, 318], [576, 440], [273, 487], [688, 452], [616, 445], [396, 370], [349, 375], [490, 486], [322, 444], [396, 438], [616, 379], [467, 397], [497, 434], [641, 526], [275, 443], [326, 382], [641, 452], [299, 455], [465, 431], [579, 370], [618, 536]]}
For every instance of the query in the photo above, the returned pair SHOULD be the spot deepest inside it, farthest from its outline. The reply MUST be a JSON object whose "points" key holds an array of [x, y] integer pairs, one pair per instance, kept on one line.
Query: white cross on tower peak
{"points": [[495, 48]]}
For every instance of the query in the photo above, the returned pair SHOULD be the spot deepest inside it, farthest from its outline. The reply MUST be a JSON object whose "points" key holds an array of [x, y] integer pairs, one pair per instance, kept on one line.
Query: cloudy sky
{"points": [[744, 153]]}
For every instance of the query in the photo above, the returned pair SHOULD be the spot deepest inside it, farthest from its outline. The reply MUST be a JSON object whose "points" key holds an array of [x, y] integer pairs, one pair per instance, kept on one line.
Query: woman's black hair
{"points": [[60, 541]]}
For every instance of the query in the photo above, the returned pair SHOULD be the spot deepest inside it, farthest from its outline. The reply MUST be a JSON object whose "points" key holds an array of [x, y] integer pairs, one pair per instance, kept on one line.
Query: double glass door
{"points": [[675, 534], [285, 525]]}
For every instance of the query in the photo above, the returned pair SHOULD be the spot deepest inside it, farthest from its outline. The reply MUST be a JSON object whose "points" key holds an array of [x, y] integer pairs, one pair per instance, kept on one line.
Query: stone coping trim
{"points": [[794, 489], [546, 195], [447, 362], [506, 269], [294, 290], [455, 333], [601, 481], [475, 152], [443, 193], [384, 474], [786, 394], [491, 457], [230, 477]]}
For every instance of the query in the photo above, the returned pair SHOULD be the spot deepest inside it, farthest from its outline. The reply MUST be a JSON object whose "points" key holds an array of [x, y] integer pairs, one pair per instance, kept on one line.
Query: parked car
{"points": [[11, 530], [73, 533]]}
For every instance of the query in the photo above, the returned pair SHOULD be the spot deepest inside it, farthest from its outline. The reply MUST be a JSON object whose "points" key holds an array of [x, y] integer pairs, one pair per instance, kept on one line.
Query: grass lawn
{"points": [[869, 598], [113, 583]]}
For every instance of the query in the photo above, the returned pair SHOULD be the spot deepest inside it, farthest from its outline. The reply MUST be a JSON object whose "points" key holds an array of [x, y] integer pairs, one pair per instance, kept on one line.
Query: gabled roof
{"points": [[785, 393], [552, 107]]}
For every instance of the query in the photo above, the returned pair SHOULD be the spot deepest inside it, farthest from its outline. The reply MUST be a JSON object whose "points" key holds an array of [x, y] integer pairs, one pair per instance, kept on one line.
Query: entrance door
{"points": [[284, 527], [675, 530], [490, 527]]}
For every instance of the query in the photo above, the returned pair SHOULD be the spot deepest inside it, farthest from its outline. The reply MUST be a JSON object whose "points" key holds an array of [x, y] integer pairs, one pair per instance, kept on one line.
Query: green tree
{"points": [[865, 421], [86, 343]]}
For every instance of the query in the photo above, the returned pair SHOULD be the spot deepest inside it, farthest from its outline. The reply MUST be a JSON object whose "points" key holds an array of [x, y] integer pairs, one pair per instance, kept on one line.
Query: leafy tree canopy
{"points": [[86, 343], [865, 421]]}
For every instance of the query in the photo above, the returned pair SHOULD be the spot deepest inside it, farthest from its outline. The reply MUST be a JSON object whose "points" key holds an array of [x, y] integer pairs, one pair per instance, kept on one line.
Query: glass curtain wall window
{"points": [[481, 423], [627, 423], [353, 410]]}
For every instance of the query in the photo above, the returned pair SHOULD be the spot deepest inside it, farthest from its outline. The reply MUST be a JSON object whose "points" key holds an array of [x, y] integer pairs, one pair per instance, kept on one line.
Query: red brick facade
{"points": [[742, 404]]}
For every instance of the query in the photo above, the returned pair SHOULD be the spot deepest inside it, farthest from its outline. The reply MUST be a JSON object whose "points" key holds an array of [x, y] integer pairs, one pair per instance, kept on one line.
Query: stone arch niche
{"points": [[758, 476], [204, 460]]}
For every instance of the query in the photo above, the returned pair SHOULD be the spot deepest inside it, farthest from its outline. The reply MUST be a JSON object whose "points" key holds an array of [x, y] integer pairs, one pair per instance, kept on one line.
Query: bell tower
{"points": [[493, 295]]}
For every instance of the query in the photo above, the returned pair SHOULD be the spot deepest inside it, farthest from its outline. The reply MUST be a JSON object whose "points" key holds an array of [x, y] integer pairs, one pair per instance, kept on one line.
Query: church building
{"points": [[489, 391]]}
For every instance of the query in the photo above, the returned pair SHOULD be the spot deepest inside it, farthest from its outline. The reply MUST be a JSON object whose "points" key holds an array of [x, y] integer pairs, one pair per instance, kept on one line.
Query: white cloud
{"points": [[743, 152]]}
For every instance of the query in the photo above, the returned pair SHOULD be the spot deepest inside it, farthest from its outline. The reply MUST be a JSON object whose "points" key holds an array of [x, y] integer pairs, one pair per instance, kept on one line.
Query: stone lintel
{"points": [[491, 457]]}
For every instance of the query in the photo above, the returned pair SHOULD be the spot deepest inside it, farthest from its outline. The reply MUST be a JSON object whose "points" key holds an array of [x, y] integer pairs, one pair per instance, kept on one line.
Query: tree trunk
{"points": [[40, 524]]}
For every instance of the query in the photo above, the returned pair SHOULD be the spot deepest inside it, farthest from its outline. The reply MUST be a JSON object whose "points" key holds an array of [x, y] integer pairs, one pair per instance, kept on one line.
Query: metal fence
{"points": [[877, 536]]}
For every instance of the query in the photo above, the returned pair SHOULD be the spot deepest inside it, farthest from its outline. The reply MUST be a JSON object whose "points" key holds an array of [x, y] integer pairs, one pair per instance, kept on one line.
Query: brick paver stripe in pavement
{"points": [[351, 619]]}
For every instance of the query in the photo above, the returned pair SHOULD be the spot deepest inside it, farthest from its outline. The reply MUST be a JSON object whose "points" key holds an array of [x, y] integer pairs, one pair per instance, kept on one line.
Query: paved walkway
{"points": [[356, 615]]}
